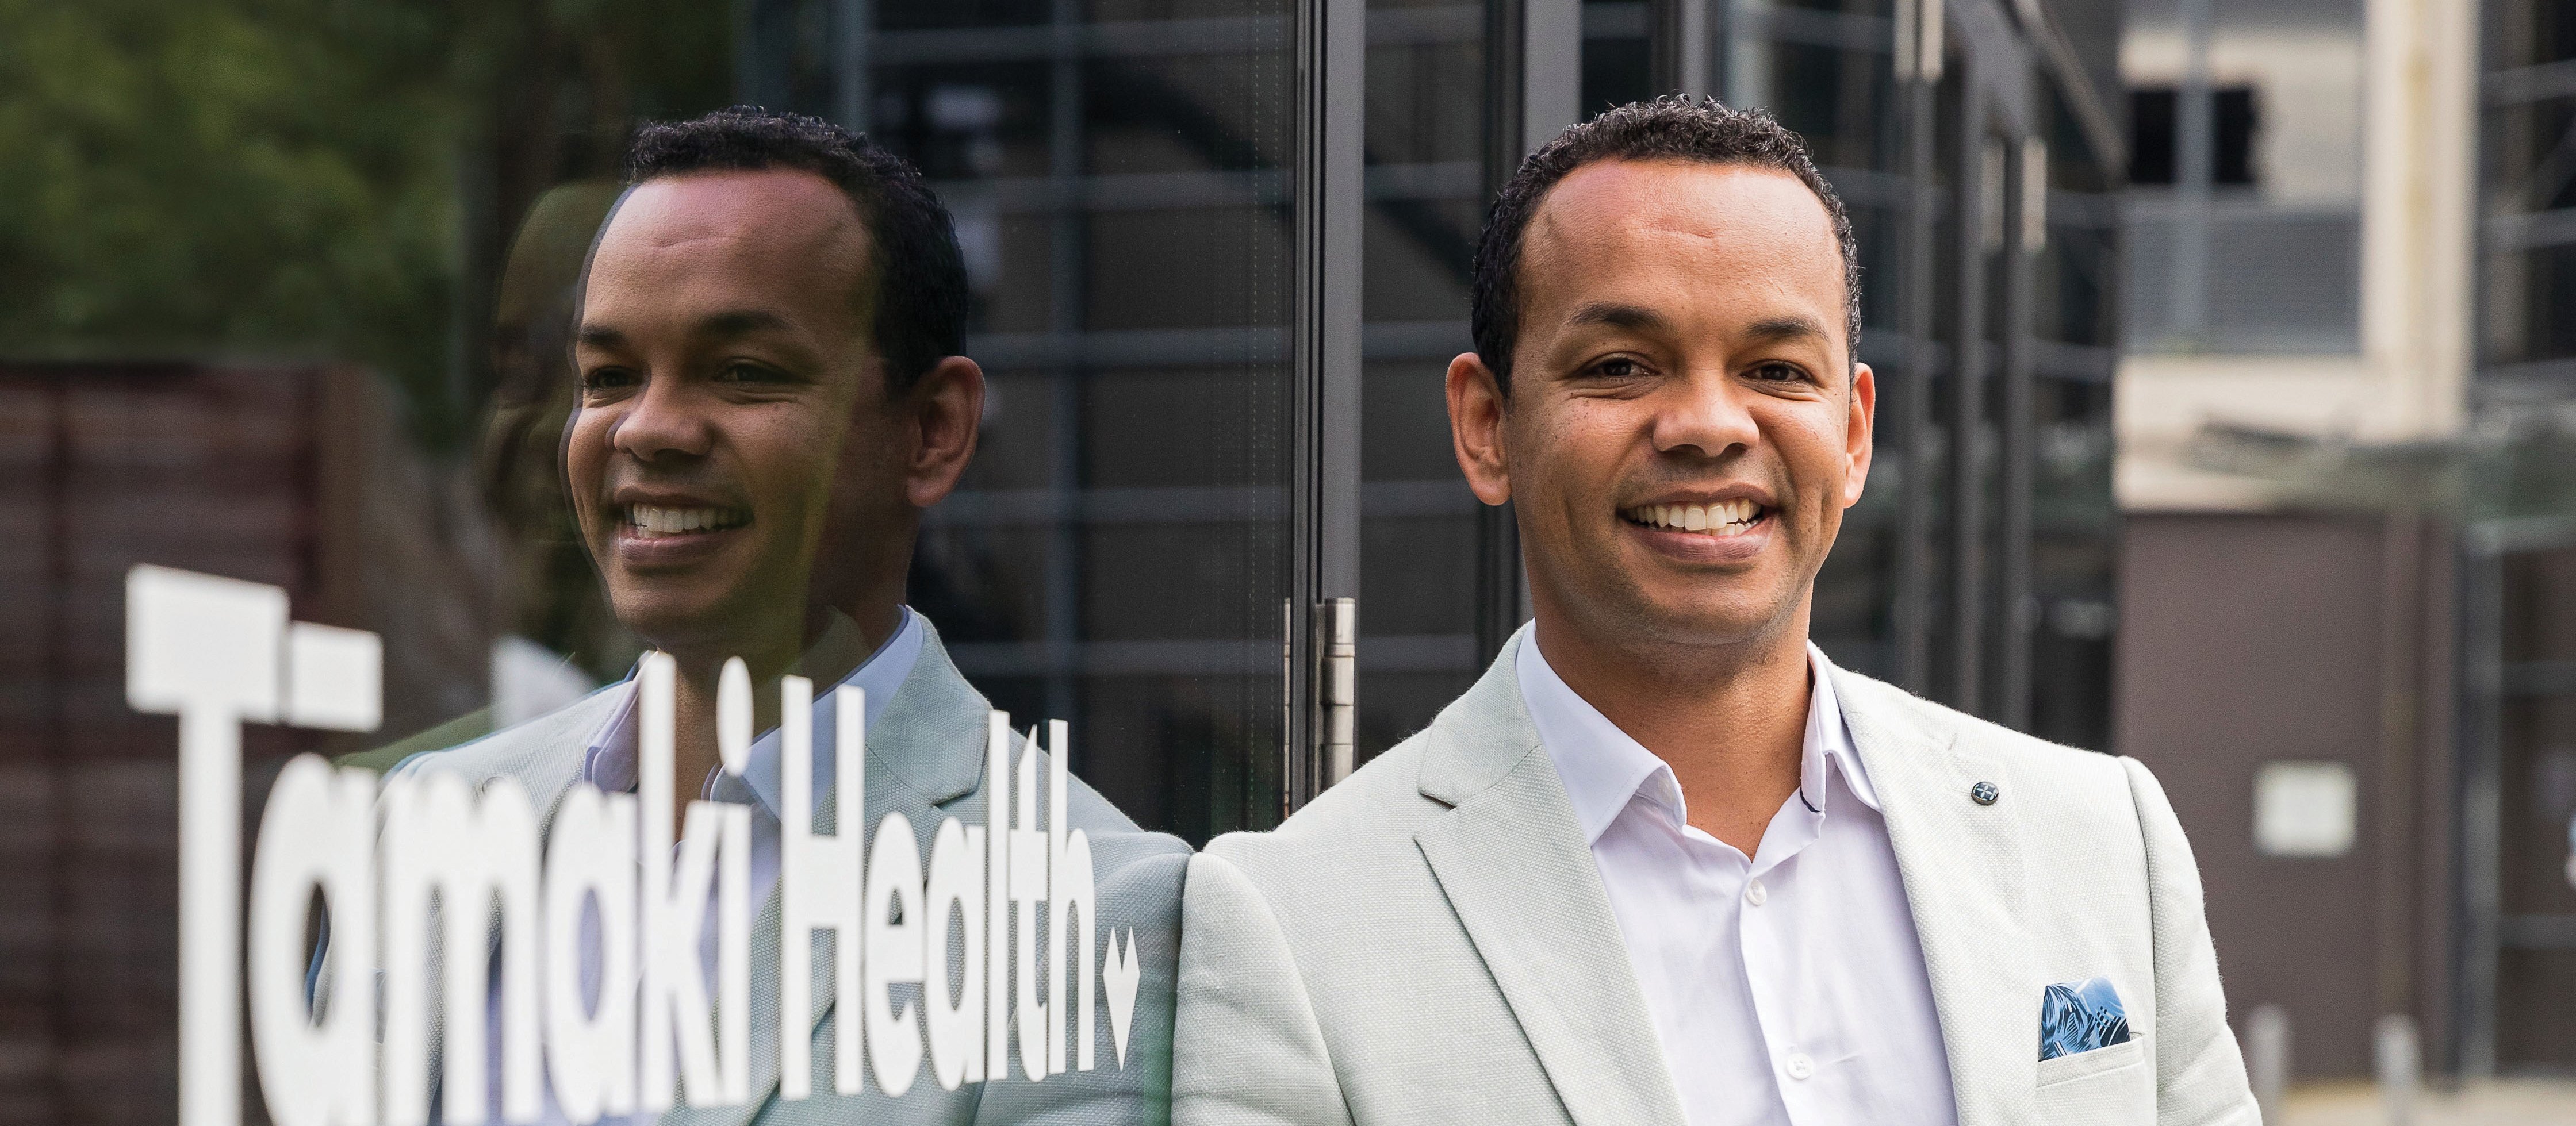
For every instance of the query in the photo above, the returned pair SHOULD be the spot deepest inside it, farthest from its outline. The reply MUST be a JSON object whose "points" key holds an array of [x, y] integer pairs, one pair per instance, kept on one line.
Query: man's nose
{"points": [[1705, 414], [663, 421]]}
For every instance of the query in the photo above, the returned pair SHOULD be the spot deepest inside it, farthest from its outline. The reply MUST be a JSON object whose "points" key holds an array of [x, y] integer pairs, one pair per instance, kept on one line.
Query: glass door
{"points": [[1972, 147], [1124, 179]]}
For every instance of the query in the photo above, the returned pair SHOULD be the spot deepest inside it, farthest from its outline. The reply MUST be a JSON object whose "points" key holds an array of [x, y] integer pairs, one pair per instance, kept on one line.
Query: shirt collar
{"points": [[610, 762], [1829, 738], [1603, 769]]}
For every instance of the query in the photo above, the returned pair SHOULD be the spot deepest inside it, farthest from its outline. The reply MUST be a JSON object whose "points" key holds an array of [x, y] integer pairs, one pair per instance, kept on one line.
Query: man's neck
{"points": [[1731, 721], [831, 646]]}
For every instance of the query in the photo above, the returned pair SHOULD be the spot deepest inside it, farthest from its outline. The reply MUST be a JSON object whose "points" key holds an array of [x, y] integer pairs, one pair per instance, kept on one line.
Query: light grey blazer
{"points": [[1429, 941], [925, 761]]}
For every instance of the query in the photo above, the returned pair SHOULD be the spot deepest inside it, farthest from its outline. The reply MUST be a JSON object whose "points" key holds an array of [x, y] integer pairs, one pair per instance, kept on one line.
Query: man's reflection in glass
{"points": [[770, 394]]}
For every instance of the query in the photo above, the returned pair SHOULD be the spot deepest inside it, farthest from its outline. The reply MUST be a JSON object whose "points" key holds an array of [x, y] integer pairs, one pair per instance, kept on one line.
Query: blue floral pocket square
{"points": [[2079, 1016]]}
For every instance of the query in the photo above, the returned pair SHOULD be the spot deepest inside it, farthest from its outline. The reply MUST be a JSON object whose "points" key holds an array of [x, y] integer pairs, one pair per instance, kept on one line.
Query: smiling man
{"points": [[1665, 862], [770, 396], [761, 419]]}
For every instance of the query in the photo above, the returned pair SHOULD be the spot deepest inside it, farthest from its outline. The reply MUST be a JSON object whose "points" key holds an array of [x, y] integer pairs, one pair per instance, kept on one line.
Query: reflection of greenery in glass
{"points": [[2512, 462], [310, 177]]}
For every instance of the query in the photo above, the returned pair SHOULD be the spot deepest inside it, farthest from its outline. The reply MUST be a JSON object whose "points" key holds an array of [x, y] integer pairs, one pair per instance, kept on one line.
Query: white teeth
{"points": [[1726, 518], [652, 521]]}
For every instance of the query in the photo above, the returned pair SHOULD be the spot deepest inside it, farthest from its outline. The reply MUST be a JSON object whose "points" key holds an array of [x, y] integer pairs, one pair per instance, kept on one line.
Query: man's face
{"points": [[729, 389], [1684, 426]]}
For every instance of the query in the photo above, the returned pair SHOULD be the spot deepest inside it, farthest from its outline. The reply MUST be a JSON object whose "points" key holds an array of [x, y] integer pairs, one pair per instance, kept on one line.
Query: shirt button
{"points": [[1755, 893], [1800, 1066]]}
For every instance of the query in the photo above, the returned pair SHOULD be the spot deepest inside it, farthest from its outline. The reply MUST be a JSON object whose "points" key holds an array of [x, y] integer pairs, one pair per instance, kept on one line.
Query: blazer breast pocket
{"points": [[2105, 1085]]}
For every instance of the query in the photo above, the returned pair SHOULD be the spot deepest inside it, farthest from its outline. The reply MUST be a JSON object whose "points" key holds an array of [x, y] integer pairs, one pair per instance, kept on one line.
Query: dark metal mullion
{"points": [[2020, 477], [2480, 719], [1533, 81], [762, 38], [1498, 550], [1967, 407], [1551, 61], [2481, 681], [853, 38], [1332, 44], [1063, 620], [1920, 92], [1679, 31]]}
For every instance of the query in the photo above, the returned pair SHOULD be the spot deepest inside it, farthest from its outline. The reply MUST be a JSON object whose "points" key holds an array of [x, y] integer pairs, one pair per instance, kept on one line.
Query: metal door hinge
{"points": [[1321, 751], [1337, 630]]}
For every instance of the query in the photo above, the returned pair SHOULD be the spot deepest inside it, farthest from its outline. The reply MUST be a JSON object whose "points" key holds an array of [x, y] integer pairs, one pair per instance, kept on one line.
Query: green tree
{"points": [[310, 178]]}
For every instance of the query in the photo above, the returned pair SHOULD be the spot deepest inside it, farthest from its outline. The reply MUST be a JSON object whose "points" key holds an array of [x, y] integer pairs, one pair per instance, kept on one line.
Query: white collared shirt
{"points": [[1787, 987], [610, 764]]}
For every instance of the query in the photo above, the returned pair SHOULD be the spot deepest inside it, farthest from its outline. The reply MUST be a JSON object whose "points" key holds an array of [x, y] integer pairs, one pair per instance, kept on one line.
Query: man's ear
{"points": [[1477, 411], [1860, 440], [945, 412]]}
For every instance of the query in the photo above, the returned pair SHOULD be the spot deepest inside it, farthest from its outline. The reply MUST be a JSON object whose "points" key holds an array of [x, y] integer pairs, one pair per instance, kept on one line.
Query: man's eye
{"points": [[744, 372], [607, 379], [1778, 373], [1618, 367]]}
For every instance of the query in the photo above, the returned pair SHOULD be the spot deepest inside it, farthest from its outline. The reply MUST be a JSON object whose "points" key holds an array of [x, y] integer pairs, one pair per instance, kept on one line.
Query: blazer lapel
{"points": [[1965, 879], [925, 751], [1518, 872]]}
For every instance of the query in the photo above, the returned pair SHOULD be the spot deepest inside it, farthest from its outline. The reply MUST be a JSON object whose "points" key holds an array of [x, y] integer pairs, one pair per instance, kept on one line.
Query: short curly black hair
{"points": [[1673, 127], [920, 278]]}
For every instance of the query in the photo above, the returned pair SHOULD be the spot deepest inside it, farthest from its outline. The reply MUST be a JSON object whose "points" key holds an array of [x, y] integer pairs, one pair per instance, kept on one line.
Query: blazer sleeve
{"points": [[1247, 1050], [2200, 1077], [1139, 891]]}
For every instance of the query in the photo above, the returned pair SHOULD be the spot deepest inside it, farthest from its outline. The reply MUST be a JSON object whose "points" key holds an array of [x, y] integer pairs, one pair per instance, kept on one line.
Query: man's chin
{"points": [[690, 623], [1750, 612]]}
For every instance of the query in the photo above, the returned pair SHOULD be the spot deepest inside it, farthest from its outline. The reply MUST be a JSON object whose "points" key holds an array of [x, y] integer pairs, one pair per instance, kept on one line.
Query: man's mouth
{"points": [[653, 522], [1721, 520]]}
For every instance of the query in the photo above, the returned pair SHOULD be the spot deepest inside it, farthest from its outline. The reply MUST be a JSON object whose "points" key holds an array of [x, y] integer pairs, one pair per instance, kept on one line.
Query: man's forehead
{"points": [[1674, 236], [1740, 207], [787, 243], [777, 210]]}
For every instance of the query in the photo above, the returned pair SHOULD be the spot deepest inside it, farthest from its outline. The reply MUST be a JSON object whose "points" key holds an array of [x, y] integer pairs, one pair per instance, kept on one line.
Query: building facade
{"points": [[1220, 257], [2342, 540], [1222, 252]]}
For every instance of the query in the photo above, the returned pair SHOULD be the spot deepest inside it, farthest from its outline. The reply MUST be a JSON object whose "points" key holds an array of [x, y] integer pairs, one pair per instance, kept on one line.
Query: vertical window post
{"points": [[1332, 49], [2026, 230], [1918, 74]]}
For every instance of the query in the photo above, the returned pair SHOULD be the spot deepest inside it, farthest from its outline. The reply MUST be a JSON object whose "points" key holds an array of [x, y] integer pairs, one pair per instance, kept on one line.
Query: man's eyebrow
{"points": [[730, 323], [1776, 330], [740, 322], [1617, 316], [1771, 330]]}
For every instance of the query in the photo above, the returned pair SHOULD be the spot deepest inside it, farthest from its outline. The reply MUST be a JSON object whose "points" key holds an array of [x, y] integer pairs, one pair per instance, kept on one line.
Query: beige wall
{"points": [[2413, 166]]}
